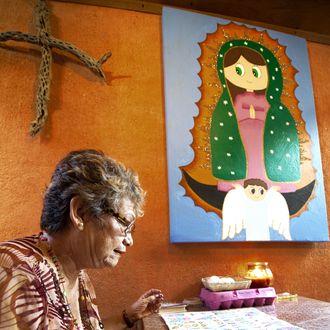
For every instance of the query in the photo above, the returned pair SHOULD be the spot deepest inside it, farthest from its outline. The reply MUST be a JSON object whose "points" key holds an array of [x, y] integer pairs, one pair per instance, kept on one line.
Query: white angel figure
{"points": [[255, 208]]}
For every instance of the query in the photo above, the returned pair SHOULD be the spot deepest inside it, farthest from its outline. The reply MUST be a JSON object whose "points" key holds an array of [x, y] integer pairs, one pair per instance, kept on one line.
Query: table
{"points": [[304, 312]]}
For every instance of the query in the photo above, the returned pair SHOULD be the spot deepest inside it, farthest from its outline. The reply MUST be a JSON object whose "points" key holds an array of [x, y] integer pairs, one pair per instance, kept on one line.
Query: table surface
{"points": [[304, 312]]}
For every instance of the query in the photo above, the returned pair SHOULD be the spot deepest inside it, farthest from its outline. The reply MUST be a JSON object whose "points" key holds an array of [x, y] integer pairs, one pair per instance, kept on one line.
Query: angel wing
{"points": [[278, 213], [233, 212]]}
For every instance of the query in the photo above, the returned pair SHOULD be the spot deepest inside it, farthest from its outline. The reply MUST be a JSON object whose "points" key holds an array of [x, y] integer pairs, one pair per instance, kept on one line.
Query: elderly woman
{"points": [[88, 218]]}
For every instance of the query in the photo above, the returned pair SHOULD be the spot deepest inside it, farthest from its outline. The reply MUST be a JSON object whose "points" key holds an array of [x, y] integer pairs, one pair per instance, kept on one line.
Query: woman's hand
{"points": [[147, 304]]}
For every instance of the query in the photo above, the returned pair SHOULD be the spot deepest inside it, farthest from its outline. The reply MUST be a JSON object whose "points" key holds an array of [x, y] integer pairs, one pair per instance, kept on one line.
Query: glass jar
{"points": [[260, 274]]}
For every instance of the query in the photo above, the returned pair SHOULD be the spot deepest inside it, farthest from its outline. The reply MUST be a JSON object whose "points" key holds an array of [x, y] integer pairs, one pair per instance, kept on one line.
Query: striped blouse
{"points": [[29, 294]]}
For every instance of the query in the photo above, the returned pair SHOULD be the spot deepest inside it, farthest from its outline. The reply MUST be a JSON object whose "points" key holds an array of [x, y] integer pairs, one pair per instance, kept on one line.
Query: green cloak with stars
{"points": [[281, 143]]}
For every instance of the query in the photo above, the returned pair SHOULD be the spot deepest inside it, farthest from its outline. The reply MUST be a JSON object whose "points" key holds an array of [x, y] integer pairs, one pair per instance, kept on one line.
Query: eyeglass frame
{"points": [[129, 225]]}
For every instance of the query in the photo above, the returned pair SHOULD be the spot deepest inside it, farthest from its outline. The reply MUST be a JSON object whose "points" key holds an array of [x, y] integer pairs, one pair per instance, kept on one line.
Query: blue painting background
{"points": [[182, 31]]}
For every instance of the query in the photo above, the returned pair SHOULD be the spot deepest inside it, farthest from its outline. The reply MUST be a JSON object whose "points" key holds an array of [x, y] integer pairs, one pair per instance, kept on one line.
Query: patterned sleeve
{"points": [[21, 306], [29, 297]]}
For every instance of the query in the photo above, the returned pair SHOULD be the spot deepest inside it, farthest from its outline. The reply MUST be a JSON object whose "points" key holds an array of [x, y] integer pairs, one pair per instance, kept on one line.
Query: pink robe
{"points": [[252, 135]]}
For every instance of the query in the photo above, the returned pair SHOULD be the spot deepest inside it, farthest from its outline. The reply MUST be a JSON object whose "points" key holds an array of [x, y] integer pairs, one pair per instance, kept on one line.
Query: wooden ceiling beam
{"points": [[155, 7]]}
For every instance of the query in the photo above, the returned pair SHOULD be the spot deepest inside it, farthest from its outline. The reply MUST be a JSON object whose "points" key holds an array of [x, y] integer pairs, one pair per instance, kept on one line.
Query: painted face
{"points": [[247, 75], [106, 245], [255, 193]]}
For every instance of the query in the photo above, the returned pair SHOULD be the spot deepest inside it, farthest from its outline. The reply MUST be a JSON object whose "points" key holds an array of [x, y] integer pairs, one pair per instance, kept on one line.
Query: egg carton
{"points": [[237, 298]]}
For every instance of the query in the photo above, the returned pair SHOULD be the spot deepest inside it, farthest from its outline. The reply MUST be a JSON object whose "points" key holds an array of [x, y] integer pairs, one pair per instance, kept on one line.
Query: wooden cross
{"points": [[47, 42]]}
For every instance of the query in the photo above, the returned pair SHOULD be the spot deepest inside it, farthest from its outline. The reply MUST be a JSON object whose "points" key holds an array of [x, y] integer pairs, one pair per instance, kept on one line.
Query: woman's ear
{"points": [[75, 213]]}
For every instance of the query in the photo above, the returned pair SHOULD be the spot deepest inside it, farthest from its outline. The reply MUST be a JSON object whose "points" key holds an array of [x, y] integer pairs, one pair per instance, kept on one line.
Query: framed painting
{"points": [[242, 142]]}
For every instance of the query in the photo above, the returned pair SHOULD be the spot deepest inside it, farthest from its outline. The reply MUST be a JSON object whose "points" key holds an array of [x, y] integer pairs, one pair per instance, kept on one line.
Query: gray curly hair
{"points": [[100, 182]]}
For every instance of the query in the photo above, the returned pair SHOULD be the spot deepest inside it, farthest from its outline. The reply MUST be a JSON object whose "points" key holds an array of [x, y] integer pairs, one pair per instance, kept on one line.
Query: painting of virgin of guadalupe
{"points": [[243, 153]]}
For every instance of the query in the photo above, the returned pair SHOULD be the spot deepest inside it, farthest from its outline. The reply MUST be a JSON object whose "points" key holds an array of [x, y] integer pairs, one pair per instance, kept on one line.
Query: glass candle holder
{"points": [[260, 274]]}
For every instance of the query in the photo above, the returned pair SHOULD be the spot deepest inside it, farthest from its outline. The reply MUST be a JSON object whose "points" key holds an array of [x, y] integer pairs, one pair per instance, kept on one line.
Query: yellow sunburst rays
{"points": [[211, 89]]}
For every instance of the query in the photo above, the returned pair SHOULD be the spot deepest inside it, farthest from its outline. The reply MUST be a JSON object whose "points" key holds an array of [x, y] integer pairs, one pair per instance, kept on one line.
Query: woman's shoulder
{"points": [[24, 285], [17, 260], [22, 267], [19, 252]]}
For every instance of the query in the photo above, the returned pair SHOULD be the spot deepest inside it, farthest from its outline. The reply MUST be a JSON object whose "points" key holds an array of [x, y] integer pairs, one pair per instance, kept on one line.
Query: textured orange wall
{"points": [[125, 118]]}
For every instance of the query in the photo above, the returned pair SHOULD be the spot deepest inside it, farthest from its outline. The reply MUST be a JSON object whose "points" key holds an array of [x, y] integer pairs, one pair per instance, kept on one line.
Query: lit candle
{"points": [[260, 274]]}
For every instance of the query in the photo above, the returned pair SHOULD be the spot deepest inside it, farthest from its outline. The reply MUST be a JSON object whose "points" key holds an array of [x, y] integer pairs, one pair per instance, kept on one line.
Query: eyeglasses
{"points": [[129, 226]]}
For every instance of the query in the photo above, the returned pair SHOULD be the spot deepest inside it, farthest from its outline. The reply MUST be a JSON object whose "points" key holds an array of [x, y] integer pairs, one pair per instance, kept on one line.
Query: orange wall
{"points": [[125, 118]]}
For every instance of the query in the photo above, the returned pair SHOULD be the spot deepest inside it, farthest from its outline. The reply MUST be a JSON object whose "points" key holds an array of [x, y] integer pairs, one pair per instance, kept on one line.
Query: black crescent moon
{"points": [[211, 195]]}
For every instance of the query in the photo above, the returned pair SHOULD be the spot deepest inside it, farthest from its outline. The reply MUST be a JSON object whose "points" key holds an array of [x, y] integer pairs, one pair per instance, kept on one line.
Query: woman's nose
{"points": [[128, 240]]}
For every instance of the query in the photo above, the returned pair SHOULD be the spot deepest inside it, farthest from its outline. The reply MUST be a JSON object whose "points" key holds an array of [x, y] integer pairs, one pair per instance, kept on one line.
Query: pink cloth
{"points": [[252, 134]]}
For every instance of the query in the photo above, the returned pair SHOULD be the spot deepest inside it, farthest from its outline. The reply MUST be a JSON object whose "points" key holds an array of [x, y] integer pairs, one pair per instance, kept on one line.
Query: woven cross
{"points": [[46, 41]]}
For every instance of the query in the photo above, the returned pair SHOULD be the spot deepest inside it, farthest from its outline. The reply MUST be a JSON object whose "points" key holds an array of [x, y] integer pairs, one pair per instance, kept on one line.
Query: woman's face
{"points": [[106, 245], [247, 75]]}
